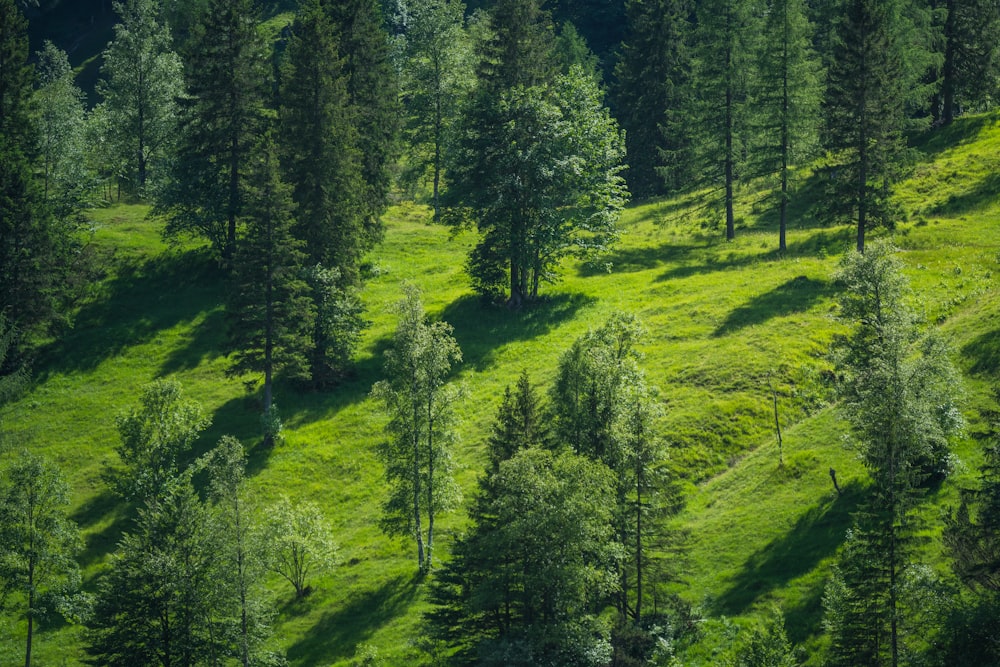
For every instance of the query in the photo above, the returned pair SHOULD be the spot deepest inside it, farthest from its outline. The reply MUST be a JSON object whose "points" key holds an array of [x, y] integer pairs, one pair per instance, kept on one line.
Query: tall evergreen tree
{"points": [[34, 247], [142, 79], [787, 97], [970, 67], [319, 143], [227, 75], [270, 312], [900, 394], [373, 87], [651, 95], [724, 47], [864, 113]]}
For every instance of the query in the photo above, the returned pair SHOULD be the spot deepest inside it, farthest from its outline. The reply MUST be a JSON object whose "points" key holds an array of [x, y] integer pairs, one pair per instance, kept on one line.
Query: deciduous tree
{"points": [[142, 79], [38, 542], [416, 456], [299, 542]]}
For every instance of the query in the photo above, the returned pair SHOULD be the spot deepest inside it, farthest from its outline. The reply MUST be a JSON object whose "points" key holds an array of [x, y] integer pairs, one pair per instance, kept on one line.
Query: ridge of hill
{"points": [[724, 321]]}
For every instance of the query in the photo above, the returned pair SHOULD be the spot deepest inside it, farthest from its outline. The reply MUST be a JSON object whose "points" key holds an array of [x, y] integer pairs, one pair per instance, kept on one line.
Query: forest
{"points": [[594, 333]]}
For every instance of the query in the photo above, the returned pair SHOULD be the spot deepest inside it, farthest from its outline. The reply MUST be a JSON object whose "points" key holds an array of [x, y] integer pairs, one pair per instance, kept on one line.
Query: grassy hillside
{"points": [[723, 319]]}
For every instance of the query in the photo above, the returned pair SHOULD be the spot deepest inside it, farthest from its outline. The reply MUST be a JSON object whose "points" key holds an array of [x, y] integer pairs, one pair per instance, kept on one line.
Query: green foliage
{"points": [[651, 95], [437, 75], [319, 143], [142, 81], [519, 424], [38, 542], [155, 437], [59, 117], [969, 65], [538, 558], [339, 324], [767, 645], [416, 455], [865, 102], [299, 543], [227, 74], [538, 168], [373, 89], [161, 599], [972, 540], [270, 311]]}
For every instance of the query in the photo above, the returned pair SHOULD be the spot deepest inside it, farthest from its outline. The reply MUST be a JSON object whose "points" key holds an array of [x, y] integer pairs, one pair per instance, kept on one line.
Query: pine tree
{"points": [[786, 104], [864, 109], [899, 396], [270, 312], [142, 80], [373, 87], [724, 49], [227, 76], [651, 95], [34, 247], [969, 69]]}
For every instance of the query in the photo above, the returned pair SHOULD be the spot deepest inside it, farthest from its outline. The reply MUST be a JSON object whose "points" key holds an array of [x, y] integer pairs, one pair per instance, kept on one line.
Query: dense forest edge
{"points": [[741, 354]]}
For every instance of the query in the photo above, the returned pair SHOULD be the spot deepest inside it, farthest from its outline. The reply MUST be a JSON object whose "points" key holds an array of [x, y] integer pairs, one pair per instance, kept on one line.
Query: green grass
{"points": [[722, 318]]}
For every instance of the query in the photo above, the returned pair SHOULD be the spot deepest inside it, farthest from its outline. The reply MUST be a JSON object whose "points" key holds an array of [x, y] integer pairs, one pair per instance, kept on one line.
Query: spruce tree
{"points": [[786, 102], [864, 114], [373, 87], [969, 69], [724, 48], [34, 246], [651, 95], [227, 75], [270, 312]]}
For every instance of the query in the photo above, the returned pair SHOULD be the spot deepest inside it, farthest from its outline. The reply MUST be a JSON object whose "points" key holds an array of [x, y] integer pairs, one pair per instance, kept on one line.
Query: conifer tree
{"points": [[724, 48], [651, 95], [270, 312], [373, 87], [227, 75], [864, 113], [900, 394], [34, 247], [786, 102], [969, 68]]}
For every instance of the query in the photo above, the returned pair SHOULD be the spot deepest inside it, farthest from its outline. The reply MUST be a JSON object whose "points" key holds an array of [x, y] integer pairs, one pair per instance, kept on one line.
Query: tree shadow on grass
{"points": [[140, 301], [337, 633], [977, 198], [983, 353], [962, 131], [794, 296], [481, 329], [632, 260], [816, 535], [205, 342]]}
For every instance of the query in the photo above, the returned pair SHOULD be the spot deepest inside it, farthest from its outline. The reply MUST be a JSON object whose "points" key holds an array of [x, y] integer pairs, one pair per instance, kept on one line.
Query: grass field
{"points": [[723, 319]]}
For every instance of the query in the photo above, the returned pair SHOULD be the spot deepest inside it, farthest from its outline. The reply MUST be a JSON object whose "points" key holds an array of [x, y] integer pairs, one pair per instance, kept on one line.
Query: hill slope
{"points": [[723, 320]]}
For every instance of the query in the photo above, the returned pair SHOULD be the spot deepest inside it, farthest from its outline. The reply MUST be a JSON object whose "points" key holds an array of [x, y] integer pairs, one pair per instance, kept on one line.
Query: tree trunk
{"points": [[948, 69]]}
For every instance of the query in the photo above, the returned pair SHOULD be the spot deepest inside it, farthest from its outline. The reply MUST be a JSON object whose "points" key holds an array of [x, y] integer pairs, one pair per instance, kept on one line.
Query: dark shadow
{"points": [[143, 299], [816, 535], [713, 264], [337, 634], [961, 131], [978, 197], [795, 296], [983, 354], [481, 329], [632, 260], [804, 619], [207, 340], [99, 544]]}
